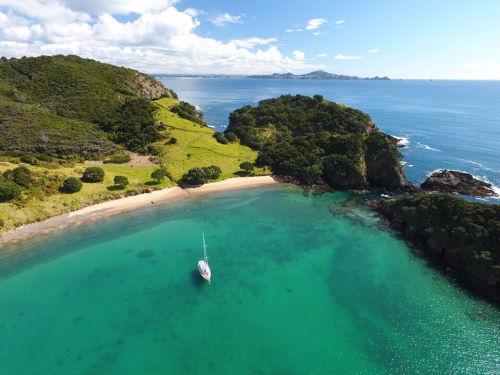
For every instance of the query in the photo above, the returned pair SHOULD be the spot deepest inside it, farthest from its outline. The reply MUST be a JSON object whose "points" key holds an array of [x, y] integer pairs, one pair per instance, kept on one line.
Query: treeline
{"points": [[318, 141]]}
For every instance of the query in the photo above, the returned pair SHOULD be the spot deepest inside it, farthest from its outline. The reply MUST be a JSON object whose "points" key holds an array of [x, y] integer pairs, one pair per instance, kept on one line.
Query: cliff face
{"points": [[149, 88], [460, 235]]}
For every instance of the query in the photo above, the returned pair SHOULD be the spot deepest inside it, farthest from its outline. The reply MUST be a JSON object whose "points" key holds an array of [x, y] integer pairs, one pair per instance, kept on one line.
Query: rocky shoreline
{"points": [[447, 181], [458, 236]]}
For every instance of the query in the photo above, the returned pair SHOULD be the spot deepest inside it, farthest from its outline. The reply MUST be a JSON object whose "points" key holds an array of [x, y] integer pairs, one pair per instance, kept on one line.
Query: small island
{"points": [[317, 74]]}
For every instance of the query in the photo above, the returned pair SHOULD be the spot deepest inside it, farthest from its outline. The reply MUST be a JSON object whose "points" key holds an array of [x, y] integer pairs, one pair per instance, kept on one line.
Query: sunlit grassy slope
{"points": [[195, 147]]}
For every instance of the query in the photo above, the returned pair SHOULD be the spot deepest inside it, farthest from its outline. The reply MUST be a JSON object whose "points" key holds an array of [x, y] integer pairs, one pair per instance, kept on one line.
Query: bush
{"points": [[118, 159], [213, 172], [172, 141], [93, 174], [195, 176], [231, 137], [247, 166], [159, 174], [22, 176], [219, 137], [121, 181], [9, 191], [28, 159], [72, 185]]}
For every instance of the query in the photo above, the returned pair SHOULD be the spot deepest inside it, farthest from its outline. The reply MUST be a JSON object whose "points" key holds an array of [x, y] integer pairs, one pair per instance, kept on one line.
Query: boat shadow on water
{"points": [[197, 281]]}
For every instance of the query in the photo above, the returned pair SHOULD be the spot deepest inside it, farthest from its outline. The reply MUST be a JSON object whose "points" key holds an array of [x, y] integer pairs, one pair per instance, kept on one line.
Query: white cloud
{"points": [[222, 19], [480, 64], [155, 41], [298, 55], [322, 54], [117, 6], [374, 50], [193, 12], [252, 42], [289, 31], [344, 57], [314, 23], [340, 22], [316, 33]]}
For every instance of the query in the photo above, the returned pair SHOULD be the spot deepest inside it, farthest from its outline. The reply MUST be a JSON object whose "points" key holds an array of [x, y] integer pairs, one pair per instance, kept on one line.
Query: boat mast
{"points": [[204, 248]]}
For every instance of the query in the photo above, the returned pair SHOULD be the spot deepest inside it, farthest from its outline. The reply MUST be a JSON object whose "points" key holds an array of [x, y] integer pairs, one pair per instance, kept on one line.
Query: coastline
{"points": [[121, 205]]}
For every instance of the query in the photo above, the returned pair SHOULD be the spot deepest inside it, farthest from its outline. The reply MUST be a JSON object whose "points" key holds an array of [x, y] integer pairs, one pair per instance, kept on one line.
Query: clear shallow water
{"points": [[296, 290], [450, 124]]}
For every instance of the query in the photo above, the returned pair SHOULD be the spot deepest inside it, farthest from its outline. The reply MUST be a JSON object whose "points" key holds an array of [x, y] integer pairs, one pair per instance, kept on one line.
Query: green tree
{"points": [[72, 185], [195, 176], [121, 181], [219, 137], [247, 166], [9, 191], [212, 173], [93, 174], [159, 174]]}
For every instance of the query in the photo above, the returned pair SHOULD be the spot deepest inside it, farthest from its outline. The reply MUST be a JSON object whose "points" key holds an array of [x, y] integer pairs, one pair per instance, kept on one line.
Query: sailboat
{"points": [[203, 267]]}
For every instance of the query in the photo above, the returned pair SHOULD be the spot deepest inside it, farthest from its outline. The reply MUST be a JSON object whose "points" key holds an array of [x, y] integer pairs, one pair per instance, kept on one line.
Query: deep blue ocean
{"points": [[446, 124]]}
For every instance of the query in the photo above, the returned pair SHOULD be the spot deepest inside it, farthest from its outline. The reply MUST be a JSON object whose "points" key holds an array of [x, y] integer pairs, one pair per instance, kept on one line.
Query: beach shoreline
{"points": [[127, 204]]}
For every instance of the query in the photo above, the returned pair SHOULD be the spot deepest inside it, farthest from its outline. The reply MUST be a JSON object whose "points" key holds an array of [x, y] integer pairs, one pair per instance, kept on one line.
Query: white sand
{"points": [[117, 206]]}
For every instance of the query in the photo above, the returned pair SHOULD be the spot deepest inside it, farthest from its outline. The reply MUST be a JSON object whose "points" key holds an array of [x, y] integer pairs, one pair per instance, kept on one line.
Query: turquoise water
{"points": [[296, 289], [448, 124]]}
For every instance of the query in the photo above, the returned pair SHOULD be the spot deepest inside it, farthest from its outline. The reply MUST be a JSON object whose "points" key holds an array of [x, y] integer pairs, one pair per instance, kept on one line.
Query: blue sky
{"points": [[400, 39]]}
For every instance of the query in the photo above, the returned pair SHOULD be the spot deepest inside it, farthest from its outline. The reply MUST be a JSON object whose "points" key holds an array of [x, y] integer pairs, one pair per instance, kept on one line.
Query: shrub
{"points": [[158, 174], [213, 172], [247, 166], [219, 137], [172, 141], [72, 185], [93, 174], [231, 137], [195, 176], [22, 176], [28, 159], [121, 158], [9, 191], [121, 181]]}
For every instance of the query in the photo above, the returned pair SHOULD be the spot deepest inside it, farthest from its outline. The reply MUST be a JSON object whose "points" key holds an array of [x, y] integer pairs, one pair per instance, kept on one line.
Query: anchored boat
{"points": [[203, 267]]}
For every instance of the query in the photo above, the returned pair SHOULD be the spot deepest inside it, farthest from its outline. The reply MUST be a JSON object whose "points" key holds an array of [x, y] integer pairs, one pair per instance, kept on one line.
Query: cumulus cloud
{"points": [[116, 6], [374, 50], [314, 23], [340, 22], [155, 41], [222, 19], [252, 42], [298, 55], [344, 57]]}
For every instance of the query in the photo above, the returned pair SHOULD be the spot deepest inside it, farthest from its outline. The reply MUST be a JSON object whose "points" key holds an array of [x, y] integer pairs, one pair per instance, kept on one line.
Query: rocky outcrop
{"points": [[458, 235], [150, 88], [446, 181]]}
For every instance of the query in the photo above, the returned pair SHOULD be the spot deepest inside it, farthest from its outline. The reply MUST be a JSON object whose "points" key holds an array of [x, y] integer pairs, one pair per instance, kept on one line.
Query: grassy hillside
{"points": [[43, 96], [195, 147]]}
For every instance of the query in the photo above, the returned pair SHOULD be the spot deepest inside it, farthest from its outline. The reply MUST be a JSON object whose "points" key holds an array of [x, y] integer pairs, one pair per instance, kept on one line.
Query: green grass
{"points": [[192, 139], [197, 141]]}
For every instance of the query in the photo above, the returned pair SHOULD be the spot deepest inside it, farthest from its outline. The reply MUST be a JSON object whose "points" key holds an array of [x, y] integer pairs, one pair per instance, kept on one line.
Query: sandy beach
{"points": [[121, 205]]}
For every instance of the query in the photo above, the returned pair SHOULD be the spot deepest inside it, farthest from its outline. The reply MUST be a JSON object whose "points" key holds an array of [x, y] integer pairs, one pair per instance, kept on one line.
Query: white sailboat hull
{"points": [[204, 269]]}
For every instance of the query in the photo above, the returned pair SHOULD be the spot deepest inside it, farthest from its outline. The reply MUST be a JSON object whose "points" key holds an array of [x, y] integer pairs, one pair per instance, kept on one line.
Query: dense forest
{"points": [[317, 141], [62, 105], [464, 235]]}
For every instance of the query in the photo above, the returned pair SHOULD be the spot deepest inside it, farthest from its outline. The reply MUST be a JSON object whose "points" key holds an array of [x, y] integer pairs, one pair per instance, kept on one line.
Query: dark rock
{"points": [[446, 181]]}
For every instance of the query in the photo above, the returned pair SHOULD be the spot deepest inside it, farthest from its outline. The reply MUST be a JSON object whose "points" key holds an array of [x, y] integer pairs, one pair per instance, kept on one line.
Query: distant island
{"points": [[318, 74]]}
